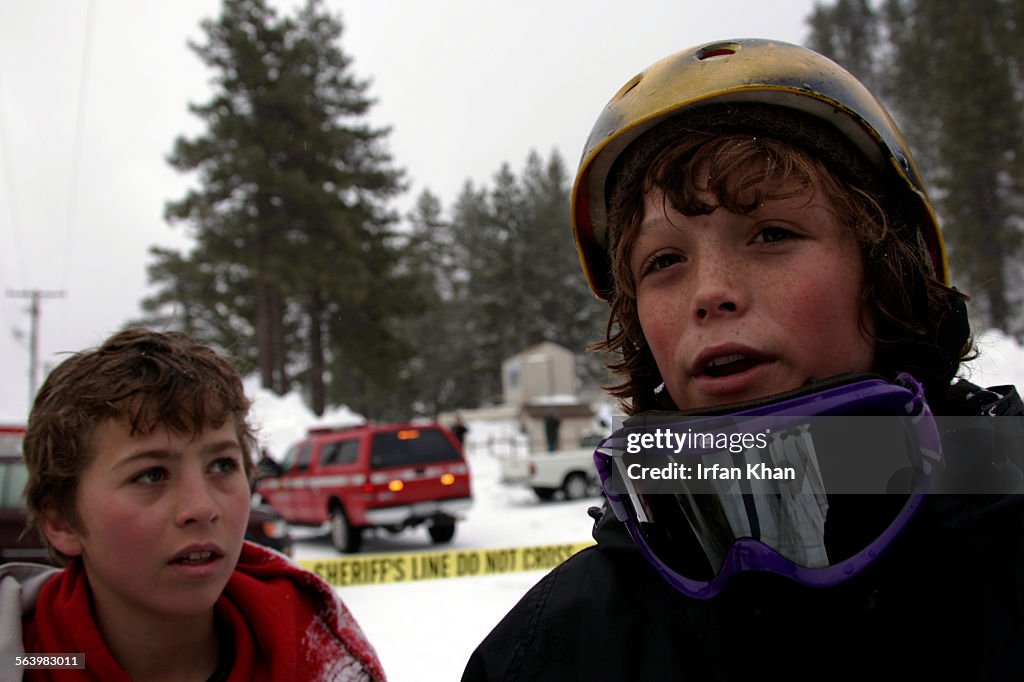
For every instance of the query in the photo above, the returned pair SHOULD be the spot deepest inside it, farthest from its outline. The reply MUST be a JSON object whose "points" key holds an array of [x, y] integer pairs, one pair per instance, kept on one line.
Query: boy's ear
{"points": [[59, 532]]}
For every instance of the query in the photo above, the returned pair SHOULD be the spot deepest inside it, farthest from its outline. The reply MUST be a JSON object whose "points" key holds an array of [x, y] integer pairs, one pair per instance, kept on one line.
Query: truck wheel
{"points": [[442, 532], [546, 494], [344, 537], [575, 486]]}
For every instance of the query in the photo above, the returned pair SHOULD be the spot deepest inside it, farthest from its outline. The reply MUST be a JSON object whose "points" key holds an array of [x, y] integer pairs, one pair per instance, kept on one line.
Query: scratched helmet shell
{"points": [[747, 71]]}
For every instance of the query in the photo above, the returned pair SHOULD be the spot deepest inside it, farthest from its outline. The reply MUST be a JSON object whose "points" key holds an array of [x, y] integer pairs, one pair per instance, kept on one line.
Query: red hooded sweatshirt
{"points": [[286, 624]]}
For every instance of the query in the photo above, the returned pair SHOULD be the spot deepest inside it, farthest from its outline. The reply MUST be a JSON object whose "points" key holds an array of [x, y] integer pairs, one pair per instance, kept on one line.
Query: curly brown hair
{"points": [[919, 323], [143, 378]]}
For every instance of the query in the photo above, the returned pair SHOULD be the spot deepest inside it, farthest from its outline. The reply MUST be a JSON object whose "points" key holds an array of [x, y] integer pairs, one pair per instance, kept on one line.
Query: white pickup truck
{"points": [[570, 471]]}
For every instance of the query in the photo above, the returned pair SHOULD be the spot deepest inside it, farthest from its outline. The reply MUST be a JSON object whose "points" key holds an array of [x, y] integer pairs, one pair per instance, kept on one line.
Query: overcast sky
{"points": [[93, 94]]}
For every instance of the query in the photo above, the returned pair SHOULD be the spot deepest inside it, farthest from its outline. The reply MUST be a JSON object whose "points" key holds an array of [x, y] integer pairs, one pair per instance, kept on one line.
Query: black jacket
{"points": [[944, 602]]}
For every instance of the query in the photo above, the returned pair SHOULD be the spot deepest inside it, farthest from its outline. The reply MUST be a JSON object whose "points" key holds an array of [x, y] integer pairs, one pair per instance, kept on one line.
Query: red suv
{"points": [[390, 476]]}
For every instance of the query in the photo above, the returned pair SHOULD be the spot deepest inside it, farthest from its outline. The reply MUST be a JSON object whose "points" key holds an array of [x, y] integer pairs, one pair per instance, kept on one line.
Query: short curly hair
{"points": [[143, 378], [920, 323]]}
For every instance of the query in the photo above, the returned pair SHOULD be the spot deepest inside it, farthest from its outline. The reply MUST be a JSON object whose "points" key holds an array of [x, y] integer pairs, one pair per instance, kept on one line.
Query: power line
{"points": [[76, 147], [34, 295], [8, 169]]}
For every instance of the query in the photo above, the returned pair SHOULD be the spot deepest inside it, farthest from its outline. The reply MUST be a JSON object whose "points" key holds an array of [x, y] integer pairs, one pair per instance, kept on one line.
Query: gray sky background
{"points": [[94, 92]]}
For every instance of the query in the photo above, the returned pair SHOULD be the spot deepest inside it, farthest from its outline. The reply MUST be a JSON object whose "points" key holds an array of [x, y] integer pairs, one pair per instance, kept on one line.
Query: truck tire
{"points": [[344, 536], [442, 532], [545, 494], [575, 486]]}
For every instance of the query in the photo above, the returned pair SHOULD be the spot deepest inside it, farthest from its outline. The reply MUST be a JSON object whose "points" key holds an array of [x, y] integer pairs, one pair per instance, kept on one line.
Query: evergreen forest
{"points": [[301, 268]]}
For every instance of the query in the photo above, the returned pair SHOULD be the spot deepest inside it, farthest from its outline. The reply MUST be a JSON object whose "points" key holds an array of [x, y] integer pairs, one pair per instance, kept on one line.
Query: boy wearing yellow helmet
{"points": [[758, 227]]}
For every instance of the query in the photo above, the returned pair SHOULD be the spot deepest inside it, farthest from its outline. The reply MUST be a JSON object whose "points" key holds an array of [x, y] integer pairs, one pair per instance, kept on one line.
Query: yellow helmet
{"points": [[757, 71]]}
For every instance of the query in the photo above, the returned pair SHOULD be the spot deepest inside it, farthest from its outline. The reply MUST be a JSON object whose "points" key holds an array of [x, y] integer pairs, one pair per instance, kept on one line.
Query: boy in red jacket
{"points": [[140, 457]]}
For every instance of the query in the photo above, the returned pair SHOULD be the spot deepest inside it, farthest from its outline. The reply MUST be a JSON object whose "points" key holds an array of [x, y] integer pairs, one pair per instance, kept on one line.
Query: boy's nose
{"points": [[724, 307], [719, 290], [195, 502]]}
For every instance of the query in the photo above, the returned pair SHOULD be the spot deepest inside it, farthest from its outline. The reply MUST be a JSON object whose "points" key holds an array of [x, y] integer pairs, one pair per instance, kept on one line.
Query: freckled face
{"points": [[162, 516], [736, 307]]}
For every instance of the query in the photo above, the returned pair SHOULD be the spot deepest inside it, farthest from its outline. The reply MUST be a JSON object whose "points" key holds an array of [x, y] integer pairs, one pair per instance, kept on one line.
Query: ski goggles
{"points": [[812, 484]]}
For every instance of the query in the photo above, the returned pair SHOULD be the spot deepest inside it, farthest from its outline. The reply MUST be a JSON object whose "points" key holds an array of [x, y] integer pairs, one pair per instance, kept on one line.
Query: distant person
{"points": [[766, 245], [460, 430], [267, 466], [139, 456], [552, 424]]}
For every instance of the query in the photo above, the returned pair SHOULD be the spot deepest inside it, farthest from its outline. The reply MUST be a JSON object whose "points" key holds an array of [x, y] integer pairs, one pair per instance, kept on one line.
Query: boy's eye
{"points": [[225, 465], [774, 233], [660, 262], [151, 476]]}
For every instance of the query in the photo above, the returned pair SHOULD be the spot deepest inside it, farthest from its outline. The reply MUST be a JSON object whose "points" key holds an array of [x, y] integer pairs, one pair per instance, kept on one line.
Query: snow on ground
{"points": [[282, 420], [426, 631]]}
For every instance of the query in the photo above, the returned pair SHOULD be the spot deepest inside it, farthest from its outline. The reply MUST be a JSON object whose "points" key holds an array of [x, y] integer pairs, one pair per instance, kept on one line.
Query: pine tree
{"points": [[570, 314], [522, 275], [212, 301], [488, 298], [293, 191], [974, 90], [436, 378], [848, 32], [952, 74]]}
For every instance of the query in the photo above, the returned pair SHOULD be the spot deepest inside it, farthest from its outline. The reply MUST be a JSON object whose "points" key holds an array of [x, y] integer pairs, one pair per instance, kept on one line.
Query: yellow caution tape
{"points": [[380, 569]]}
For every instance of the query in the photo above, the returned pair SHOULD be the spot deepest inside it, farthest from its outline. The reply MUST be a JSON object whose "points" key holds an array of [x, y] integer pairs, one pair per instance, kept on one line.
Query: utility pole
{"points": [[34, 295]]}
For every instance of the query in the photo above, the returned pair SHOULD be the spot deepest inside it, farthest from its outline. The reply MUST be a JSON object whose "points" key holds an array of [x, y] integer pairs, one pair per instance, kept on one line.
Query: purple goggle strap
{"points": [[873, 396]]}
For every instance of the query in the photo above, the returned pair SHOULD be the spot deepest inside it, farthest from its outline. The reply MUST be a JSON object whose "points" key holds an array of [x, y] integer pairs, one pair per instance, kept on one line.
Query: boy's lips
{"points": [[729, 369], [198, 552], [726, 360], [198, 560]]}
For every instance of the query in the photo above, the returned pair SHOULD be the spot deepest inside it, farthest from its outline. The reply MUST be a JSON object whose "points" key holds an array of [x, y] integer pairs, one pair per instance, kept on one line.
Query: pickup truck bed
{"points": [[570, 471]]}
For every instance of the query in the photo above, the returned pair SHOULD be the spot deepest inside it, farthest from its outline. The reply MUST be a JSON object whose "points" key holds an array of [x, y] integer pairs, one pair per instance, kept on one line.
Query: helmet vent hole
{"points": [[717, 50], [624, 90]]}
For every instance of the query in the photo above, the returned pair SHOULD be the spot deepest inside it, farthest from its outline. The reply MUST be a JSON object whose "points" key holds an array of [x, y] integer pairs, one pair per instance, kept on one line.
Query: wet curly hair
{"points": [[142, 378], [920, 324]]}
